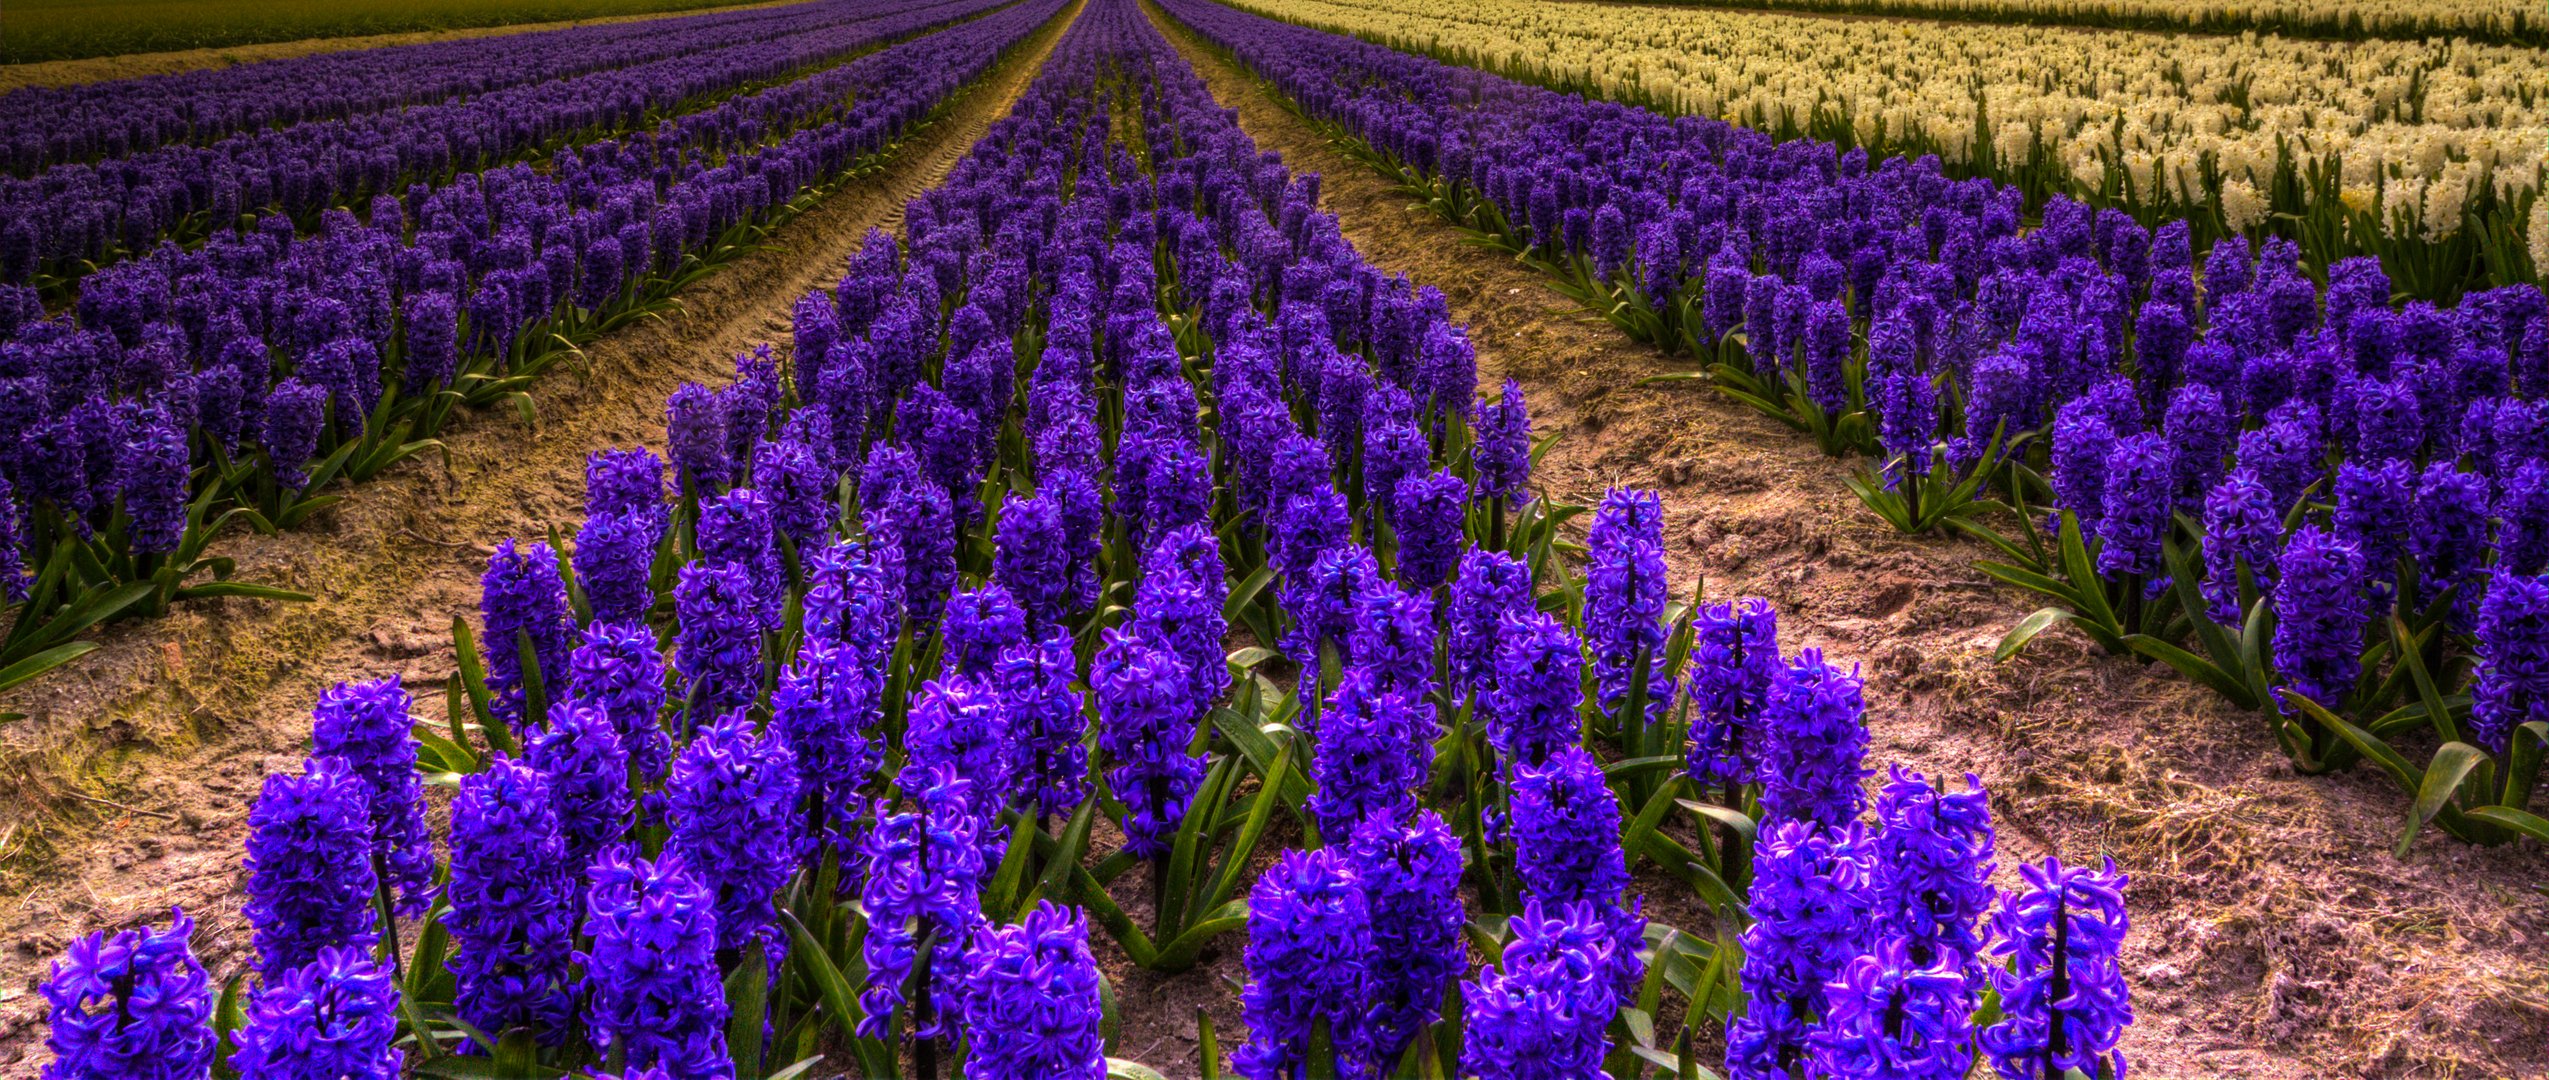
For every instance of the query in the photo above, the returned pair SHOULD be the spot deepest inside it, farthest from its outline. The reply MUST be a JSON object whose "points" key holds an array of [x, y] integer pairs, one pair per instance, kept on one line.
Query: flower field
{"points": [[1057, 600], [2428, 155], [68, 29], [2488, 21]]}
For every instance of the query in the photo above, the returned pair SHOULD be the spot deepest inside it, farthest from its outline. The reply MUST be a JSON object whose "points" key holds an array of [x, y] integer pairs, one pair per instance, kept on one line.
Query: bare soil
{"points": [[127, 787], [2275, 936], [135, 65]]}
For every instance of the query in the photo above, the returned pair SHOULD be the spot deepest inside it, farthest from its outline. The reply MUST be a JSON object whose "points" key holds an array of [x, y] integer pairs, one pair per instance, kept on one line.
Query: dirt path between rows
{"points": [[2274, 934], [136, 65], [127, 787]]}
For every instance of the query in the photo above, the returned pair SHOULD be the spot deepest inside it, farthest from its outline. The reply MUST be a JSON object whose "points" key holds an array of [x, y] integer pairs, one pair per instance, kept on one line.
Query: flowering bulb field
{"points": [[154, 414], [1107, 610], [2426, 154], [2489, 21]]}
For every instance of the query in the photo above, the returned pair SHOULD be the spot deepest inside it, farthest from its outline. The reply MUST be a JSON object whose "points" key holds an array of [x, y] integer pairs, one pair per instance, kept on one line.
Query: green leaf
{"points": [[90, 612], [1207, 1045], [227, 1018], [745, 985], [1193, 832], [1066, 855], [250, 590], [535, 695], [1121, 1069], [1246, 593], [485, 1068], [1642, 766], [2521, 821], [1260, 750], [2452, 764], [43, 662], [473, 678], [1234, 862], [1633, 836], [801, 1068], [2379, 753], [817, 964], [1180, 954], [1103, 909], [2193, 667], [1003, 890], [2027, 629]]}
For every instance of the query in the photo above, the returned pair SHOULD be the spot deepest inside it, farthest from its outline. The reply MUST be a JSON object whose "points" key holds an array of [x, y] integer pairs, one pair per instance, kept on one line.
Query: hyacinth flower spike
{"points": [[2064, 1002], [130, 1005]]}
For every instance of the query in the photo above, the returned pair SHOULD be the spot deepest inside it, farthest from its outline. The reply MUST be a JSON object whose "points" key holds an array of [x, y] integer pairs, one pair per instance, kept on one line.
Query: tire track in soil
{"points": [[2274, 934], [175, 723]]}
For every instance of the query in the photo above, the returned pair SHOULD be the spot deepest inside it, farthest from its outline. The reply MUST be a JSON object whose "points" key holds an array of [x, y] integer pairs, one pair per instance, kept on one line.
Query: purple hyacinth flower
{"points": [[1545, 1011], [732, 805], [2319, 618], [1033, 1000], [1734, 661], [1427, 510], [130, 1005], [695, 429], [2242, 530], [653, 992], [1887, 1016], [1367, 764], [1501, 457], [309, 864], [2138, 505], [1815, 717], [2511, 684], [615, 563], [826, 708], [1530, 708], [512, 896], [980, 625], [719, 646], [366, 725], [1624, 596], [588, 773], [523, 596], [957, 724], [154, 478], [1809, 909], [1491, 588], [1309, 940], [1566, 830], [1932, 878], [1146, 718], [1411, 887], [923, 879], [624, 482], [2447, 535], [1050, 763], [294, 411], [620, 669], [334, 1017], [2063, 1000]]}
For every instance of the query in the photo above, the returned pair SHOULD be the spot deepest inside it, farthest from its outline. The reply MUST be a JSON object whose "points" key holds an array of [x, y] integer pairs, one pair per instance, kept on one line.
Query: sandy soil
{"points": [[127, 787], [136, 65], [2274, 934]]}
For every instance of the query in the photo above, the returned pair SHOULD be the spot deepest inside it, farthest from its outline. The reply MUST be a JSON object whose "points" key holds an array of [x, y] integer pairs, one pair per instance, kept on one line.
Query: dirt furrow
{"points": [[2274, 934], [126, 788]]}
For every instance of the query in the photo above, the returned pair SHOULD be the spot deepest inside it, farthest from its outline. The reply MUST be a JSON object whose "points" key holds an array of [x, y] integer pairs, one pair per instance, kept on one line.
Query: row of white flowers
{"points": [[2490, 20], [2407, 130]]}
